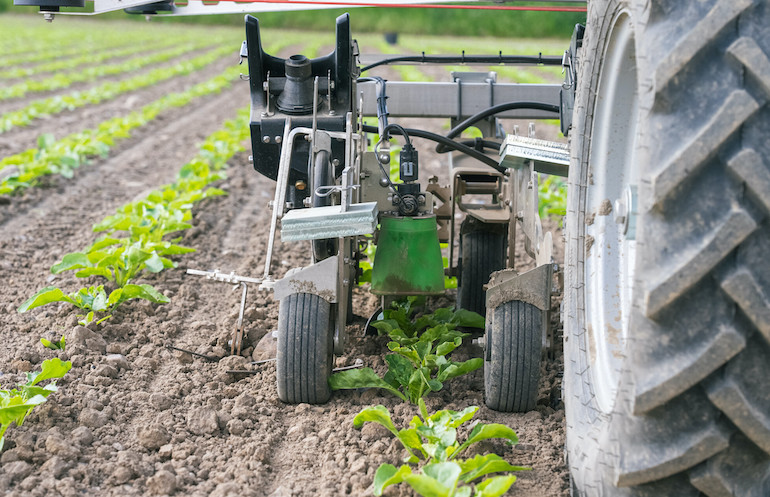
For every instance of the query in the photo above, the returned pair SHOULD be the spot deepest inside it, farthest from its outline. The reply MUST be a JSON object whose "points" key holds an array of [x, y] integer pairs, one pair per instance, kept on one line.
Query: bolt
{"points": [[307, 202], [265, 139], [345, 282], [278, 139], [271, 204], [335, 162], [251, 158], [300, 185], [384, 182], [384, 158], [48, 16]]}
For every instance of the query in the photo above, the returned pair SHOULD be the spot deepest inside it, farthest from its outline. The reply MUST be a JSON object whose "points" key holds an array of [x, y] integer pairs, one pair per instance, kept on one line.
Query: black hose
{"points": [[496, 109], [449, 143], [552, 60]]}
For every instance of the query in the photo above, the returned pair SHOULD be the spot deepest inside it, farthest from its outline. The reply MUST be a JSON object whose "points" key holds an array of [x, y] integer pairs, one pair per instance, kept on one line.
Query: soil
{"points": [[134, 417]]}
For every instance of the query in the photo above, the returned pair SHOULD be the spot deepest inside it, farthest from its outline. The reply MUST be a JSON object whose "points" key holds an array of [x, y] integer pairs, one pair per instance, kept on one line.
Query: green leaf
{"points": [[484, 464], [75, 260], [45, 296], [400, 367], [468, 319], [494, 487], [51, 368], [455, 369], [132, 291], [375, 414], [154, 263], [387, 475], [446, 473], [361, 378], [483, 432]]}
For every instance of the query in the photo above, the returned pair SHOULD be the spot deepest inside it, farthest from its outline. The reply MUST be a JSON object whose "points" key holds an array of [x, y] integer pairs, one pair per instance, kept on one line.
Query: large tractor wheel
{"points": [[513, 350], [305, 349], [667, 313], [482, 252]]}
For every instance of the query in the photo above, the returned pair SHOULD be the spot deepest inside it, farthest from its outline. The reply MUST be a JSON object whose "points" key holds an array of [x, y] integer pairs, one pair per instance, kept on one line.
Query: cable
{"points": [[398, 127], [449, 143], [548, 60], [496, 109]]}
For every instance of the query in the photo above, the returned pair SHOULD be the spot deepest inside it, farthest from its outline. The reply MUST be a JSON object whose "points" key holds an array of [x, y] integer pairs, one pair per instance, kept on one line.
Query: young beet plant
{"points": [[17, 403], [419, 363], [93, 300], [432, 440]]}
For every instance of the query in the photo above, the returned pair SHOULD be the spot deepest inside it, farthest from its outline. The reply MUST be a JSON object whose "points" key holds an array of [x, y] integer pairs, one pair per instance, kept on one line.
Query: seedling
{"points": [[420, 363], [432, 439], [17, 403], [94, 299], [53, 345]]}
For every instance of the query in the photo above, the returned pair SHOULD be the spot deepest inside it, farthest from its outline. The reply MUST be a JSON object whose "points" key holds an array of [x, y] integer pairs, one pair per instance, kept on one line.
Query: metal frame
{"points": [[448, 99]]}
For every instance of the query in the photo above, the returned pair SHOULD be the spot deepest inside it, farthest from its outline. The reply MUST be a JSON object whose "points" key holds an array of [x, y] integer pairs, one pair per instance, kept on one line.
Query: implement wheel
{"points": [[513, 351], [305, 349], [482, 252]]}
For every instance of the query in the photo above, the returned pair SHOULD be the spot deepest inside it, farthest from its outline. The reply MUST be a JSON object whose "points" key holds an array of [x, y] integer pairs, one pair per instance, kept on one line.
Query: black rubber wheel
{"points": [[323, 175], [305, 349], [482, 252], [513, 350], [667, 285]]}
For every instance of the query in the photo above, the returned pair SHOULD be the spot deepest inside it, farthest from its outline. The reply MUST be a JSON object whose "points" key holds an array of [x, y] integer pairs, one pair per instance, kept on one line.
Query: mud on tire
{"points": [[668, 394]]}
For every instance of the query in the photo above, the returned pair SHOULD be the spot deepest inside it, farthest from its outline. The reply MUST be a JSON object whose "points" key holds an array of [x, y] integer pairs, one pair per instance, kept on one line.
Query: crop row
{"points": [[61, 157], [145, 222], [63, 80], [106, 91], [135, 240], [90, 58], [31, 36]]}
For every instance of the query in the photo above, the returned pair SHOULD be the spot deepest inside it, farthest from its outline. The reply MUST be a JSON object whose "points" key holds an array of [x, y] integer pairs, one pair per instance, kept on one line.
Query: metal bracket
{"points": [[532, 287], [318, 279]]}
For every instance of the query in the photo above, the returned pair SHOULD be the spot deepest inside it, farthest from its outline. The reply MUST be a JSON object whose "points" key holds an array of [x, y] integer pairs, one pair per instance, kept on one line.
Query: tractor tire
{"points": [[667, 291], [305, 349], [513, 351], [482, 252]]}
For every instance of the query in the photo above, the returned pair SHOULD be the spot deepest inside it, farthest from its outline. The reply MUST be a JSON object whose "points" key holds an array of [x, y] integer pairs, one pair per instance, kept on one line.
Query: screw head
{"points": [[265, 139]]}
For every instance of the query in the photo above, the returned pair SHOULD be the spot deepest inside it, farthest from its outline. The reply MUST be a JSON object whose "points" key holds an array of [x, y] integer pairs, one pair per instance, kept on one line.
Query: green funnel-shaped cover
{"points": [[408, 259]]}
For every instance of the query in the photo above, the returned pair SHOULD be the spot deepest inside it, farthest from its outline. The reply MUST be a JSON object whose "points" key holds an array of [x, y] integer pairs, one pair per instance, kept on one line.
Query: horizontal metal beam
{"points": [[447, 99]]}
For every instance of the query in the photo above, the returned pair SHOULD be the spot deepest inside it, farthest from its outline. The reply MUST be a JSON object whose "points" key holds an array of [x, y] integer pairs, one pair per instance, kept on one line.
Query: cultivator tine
{"points": [[237, 341], [204, 356]]}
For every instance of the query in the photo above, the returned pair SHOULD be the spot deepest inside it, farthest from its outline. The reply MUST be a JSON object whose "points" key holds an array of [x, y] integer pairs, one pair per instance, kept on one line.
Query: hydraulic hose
{"points": [[451, 144], [496, 109]]}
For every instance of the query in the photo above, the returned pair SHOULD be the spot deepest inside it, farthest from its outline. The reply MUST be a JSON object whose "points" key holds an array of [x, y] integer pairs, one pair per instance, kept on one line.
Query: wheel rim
{"points": [[610, 193]]}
